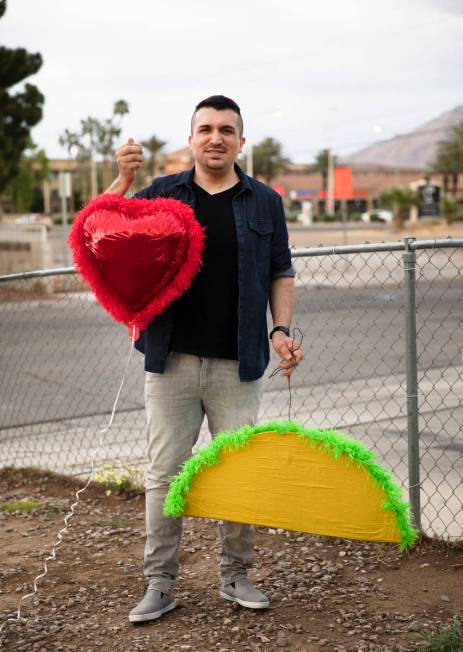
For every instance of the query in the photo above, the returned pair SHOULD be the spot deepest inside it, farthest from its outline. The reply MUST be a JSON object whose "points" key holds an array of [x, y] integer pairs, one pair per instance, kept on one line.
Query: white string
{"points": [[59, 537]]}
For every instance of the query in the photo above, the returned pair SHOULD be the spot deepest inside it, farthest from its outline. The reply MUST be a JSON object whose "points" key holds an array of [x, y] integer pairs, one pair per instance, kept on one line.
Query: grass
{"points": [[118, 478], [20, 506], [449, 639]]}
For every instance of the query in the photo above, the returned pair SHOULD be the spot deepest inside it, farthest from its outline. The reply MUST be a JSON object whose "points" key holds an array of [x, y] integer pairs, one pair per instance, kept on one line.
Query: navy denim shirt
{"points": [[263, 255]]}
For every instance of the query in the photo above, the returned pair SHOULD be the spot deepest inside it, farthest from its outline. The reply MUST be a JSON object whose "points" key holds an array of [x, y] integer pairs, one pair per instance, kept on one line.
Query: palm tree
{"points": [[399, 200], [448, 165], [154, 146], [120, 108], [268, 160], [449, 159], [97, 137], [106, 132]]}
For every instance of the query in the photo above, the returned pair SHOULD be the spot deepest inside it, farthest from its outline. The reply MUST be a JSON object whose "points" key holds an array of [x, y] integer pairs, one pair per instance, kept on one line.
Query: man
{"points": [[206, 354]]}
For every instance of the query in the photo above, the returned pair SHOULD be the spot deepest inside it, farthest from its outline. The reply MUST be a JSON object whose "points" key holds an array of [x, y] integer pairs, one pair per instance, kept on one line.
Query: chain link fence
{"points": [[383, 344]]}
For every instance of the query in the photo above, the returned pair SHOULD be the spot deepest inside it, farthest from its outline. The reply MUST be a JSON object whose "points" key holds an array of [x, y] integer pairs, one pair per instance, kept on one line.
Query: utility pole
{"points": [[330, 188], [344, 220], [65, 192]]}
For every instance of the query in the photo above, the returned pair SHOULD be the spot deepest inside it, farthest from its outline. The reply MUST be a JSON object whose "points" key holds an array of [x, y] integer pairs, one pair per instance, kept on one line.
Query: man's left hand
{"points": [[289, 351]]}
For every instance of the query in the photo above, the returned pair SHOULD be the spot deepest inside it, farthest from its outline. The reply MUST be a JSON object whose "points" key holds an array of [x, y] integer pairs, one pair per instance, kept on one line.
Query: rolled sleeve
{"points": [[284, 273], [280, 261]]}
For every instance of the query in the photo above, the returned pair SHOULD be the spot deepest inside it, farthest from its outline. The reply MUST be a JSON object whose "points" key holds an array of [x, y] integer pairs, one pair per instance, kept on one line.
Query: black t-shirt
{"points": [[206, 315]]}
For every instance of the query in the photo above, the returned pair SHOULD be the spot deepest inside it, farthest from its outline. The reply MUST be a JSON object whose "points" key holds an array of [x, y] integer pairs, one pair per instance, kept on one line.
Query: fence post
{"points": [[409, 260]]}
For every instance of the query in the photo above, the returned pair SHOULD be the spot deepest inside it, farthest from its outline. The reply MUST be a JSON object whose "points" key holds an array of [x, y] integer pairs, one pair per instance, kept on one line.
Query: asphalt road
{"points": [[64, 358]]}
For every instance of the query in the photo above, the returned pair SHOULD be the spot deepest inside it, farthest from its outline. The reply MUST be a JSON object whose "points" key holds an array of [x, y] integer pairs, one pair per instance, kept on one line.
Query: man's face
{"points": [[215, 139]]}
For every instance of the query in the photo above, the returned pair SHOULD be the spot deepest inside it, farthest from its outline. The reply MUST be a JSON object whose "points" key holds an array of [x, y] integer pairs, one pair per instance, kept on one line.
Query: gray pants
{"points": [[176, 403]]}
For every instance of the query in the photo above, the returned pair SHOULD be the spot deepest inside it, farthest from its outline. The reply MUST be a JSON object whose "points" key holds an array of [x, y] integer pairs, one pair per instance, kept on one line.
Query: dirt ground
{"points": [[326, 594]]}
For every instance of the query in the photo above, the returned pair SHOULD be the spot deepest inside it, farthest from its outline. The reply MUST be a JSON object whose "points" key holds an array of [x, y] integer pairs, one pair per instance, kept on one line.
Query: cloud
{"points": [[369, 58], [454, 7]]}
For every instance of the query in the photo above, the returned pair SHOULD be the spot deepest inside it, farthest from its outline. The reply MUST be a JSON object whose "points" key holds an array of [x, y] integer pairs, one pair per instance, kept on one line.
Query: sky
{"points": [[332, 73]]}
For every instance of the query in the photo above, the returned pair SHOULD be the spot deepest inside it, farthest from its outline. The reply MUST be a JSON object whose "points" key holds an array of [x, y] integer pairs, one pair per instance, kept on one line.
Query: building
{"points": [[50, 186], [369, 182], [181, 159]]}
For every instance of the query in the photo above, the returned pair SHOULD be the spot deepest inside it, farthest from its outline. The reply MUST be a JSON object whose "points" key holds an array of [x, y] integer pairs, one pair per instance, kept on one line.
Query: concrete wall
{"points": [[24, 249]]}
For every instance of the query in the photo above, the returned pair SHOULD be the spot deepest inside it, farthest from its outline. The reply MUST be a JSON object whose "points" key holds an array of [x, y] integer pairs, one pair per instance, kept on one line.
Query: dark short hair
{"points": [[219, 103]]}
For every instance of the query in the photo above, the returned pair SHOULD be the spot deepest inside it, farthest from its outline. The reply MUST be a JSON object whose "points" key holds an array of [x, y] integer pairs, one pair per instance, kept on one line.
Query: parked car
{"points": [[378, 215], [29, 219]]}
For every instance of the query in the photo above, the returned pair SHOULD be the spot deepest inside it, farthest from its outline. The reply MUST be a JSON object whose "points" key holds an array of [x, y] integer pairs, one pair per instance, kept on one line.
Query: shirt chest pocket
{"points": [[260, 232]]}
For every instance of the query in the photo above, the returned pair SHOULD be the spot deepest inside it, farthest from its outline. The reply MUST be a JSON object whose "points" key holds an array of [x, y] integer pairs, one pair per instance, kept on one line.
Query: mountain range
{"points": [[413, 150]]}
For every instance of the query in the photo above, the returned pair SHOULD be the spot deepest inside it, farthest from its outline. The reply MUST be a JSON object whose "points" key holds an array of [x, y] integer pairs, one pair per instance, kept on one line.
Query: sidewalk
{"points": [[358, 233], [367, 413]]}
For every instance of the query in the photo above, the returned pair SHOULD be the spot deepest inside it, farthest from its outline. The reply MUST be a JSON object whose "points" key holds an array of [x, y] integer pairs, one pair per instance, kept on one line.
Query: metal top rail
{"points": [[401, 245], [409, 244], [38, 273]]}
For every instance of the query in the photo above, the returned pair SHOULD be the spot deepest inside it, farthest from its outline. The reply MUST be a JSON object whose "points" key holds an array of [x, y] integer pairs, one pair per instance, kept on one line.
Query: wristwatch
{"points": [[282, 329]]}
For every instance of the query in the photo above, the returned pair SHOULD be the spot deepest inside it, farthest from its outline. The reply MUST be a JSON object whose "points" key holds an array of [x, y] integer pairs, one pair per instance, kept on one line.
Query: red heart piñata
{"points": [[137, 255]]}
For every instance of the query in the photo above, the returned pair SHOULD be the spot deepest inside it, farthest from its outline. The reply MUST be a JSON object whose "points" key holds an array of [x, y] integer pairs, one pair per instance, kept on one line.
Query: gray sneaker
{"points": [[244, 593], [152, 606]]}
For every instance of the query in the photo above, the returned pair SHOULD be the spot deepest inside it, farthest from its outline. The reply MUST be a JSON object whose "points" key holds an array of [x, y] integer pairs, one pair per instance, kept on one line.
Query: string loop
{"points": [[295, 346]]}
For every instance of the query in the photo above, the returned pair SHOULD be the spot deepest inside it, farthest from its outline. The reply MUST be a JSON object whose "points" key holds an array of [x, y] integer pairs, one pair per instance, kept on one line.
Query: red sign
{"points": [[343, 183], [280, 190], [343, 188]]}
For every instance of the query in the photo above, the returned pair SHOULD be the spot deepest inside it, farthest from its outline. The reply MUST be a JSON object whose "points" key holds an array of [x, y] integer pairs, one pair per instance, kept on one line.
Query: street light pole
{"points": [[330, 189], [65, 193]]}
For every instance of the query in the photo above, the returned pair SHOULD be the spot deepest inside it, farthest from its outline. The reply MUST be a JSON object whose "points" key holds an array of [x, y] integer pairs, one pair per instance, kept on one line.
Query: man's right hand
{"points": [[129, 157]]}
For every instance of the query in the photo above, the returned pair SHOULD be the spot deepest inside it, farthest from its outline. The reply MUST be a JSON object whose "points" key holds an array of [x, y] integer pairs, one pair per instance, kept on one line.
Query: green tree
{"points": [[321, 166], [399, 200], [444, 165], [450, 209], [154, 146], [26, 190], [20, 111], [106, 131], [71, 141], [96, 137], [268, 160], [449, 159]]}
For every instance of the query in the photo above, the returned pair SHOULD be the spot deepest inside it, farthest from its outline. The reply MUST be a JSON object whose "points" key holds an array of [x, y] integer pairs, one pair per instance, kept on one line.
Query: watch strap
{"points": [[282, 329]]}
